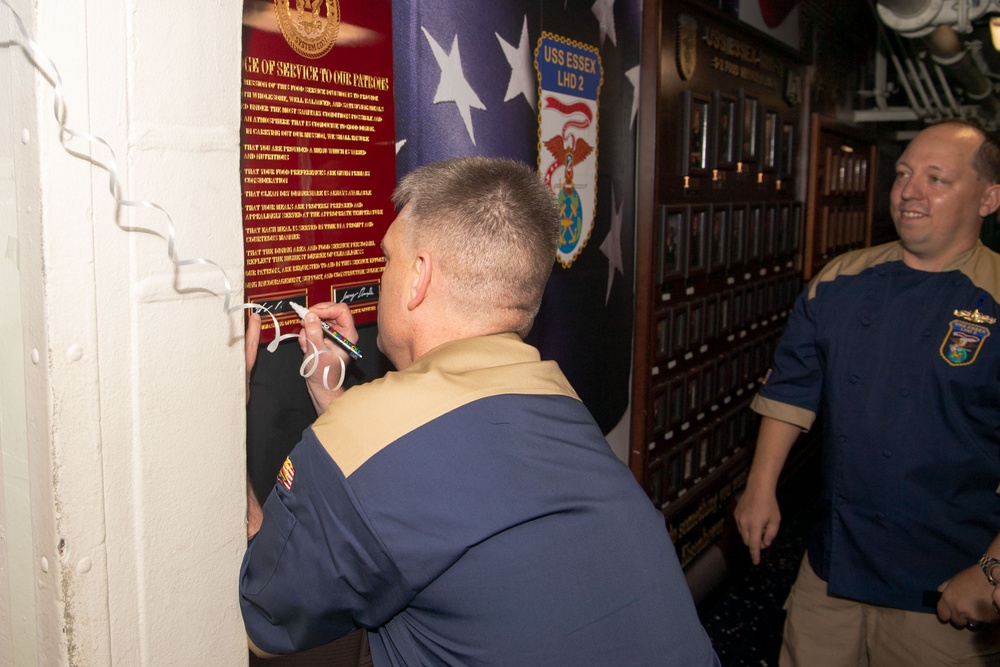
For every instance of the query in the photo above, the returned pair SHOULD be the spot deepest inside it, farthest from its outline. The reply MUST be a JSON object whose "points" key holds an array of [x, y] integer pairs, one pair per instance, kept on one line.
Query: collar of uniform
{"points": [[965, 258], [477, 352], [371, 416]]}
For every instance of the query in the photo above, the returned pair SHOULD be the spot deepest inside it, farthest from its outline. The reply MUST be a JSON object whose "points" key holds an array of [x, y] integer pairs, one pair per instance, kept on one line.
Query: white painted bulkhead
{"points": [[121, 376]]}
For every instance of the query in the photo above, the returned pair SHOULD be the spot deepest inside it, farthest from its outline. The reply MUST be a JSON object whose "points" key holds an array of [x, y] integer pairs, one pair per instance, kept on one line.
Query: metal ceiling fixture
{"points": [[934, 55]]}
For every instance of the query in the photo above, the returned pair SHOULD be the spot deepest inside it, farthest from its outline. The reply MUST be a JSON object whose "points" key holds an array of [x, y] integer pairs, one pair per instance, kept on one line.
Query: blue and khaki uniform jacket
{"points": [[468, 511], [904, 366]]}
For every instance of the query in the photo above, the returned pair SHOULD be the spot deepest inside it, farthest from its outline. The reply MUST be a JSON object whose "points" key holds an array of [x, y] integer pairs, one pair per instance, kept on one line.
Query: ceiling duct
{"points": [[939, 65], [958, 63], [918, 18]]}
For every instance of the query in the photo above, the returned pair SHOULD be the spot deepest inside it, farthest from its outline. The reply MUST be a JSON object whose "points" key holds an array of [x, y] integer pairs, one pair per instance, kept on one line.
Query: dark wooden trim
{"points": [[645, 232]]}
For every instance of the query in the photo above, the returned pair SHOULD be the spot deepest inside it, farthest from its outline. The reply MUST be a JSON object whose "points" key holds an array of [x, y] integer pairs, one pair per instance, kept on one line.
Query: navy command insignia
{"points": [[964, 340]]}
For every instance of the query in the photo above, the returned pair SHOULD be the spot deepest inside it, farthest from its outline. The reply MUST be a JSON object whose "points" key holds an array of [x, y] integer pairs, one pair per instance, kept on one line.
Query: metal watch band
{"points": [[988, 562]]}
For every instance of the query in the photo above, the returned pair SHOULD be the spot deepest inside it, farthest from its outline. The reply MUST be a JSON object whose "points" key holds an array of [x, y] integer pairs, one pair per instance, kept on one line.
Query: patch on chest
{"points": [[962, 343]]}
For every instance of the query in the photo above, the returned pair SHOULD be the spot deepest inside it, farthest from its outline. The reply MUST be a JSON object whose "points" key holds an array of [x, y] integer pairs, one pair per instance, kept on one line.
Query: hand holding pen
{"points": [[338, 318], [353, 350]]}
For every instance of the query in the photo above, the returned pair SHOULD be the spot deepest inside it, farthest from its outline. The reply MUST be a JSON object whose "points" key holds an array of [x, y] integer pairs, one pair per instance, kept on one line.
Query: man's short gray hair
{"points": [[493, 228]]}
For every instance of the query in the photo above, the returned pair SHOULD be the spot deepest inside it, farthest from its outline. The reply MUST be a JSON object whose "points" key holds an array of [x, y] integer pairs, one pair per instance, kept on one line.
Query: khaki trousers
{"points": [[826, 631]]}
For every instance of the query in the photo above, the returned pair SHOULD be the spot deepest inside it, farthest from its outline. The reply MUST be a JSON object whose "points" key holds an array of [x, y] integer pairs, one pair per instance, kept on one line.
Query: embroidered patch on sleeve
{"points": [[286, 474]]}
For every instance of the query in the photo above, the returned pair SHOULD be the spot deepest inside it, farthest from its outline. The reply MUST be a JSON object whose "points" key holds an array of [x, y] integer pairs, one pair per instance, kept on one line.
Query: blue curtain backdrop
{"points": [[465, 85]]}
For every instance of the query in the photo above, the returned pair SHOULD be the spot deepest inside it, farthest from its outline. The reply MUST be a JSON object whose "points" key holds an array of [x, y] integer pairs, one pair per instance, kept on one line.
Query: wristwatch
{"points": [[988, 562]]}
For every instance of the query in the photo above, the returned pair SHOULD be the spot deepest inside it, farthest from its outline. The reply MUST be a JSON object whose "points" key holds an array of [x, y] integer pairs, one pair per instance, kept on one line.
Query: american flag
{"points": [[465, 84]]}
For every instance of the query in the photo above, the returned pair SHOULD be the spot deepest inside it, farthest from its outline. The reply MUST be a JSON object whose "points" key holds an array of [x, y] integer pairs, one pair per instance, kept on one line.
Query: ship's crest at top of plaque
{"points": [[309, 26]]}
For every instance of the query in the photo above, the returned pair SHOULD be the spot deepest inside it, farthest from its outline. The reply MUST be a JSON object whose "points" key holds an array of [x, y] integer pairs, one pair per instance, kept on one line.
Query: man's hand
{"points": [[251, 343], [757, 513], [758, 517], [966, 598], [338, 316]]}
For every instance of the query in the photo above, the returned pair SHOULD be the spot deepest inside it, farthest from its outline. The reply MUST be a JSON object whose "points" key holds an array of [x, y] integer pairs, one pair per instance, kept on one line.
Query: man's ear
{"points": [[990, 201], [423, 268]]}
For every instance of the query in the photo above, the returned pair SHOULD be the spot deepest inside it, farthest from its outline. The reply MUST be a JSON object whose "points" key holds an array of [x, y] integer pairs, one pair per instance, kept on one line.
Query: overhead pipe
{"points": [[950, 54], [946, 87], [917, 84], [904, 80], [883, 112], [918, 18], [937, 24], [926, 76], [948, 51], [881, 92]]}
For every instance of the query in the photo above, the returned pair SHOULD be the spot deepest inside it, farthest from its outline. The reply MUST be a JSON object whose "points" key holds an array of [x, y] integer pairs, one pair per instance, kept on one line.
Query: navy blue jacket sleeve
{"points": [[316, 570], [796, 375]]}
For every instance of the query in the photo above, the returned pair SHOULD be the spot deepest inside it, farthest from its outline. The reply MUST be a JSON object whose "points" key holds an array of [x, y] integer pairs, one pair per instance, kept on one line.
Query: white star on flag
{"points": [[633, 77], [453, 86], [612, 245], [522, 72], [604, 11]]}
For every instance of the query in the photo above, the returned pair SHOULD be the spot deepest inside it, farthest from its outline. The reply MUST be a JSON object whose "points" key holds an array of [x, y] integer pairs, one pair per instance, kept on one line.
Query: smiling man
{"points": [[894, 346]]}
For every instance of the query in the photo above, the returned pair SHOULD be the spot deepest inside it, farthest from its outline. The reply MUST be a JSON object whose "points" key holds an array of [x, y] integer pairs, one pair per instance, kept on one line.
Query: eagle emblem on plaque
{"points": [[310, 27], [569, 81]]}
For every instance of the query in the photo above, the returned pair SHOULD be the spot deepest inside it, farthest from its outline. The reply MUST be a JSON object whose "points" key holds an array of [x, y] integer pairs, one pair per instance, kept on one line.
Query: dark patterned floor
{"points": [[744, 617]]}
